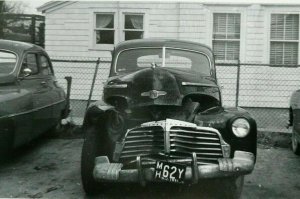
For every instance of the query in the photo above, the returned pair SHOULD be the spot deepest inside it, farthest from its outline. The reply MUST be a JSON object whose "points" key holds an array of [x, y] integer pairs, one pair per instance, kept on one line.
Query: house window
{"points": [[133, 26], [105, 32], [284, 39], [226, 36]]}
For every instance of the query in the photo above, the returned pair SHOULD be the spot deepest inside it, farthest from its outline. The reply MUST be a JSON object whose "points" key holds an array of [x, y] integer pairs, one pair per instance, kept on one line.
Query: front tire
{"points": [[6, 145], [295, 143], [230, 188], [90, 150]]}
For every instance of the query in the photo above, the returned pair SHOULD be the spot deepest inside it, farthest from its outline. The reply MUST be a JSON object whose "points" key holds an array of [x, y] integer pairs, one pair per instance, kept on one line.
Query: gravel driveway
{"points": [[50, 168]]}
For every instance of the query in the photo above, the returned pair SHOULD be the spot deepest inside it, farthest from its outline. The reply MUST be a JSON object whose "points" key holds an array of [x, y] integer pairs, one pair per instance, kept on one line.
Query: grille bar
{"points": [[192, 132], [193, 142], [176, 140], [194, 137]]}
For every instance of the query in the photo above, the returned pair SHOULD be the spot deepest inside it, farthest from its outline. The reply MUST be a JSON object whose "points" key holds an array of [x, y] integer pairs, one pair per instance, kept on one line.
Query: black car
{"points": [[294, 121], [162, 121], [31, 101]]}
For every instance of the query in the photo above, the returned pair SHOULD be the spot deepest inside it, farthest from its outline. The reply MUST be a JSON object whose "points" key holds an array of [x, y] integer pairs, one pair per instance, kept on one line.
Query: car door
{"points": [[37, 84], [55, 92]]}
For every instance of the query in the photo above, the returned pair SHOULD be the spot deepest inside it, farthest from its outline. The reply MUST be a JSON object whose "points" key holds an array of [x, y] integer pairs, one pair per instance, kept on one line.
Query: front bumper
{"points": [[242, 164]]}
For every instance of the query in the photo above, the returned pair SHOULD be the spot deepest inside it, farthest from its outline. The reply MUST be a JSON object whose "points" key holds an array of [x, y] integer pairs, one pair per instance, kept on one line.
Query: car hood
{"points": [[160, 86]]}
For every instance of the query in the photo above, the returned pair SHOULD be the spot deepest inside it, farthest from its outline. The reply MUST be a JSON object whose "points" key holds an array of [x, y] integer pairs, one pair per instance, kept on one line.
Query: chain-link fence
{"points": [[82, 70], [262, 89]]}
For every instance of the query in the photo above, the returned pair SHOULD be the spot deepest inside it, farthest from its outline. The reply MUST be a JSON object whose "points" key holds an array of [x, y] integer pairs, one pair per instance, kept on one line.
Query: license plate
{"points": [[170, 172]]}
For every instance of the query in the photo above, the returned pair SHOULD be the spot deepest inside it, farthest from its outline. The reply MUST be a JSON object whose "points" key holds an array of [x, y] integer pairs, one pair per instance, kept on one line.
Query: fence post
{"points": [[238, 83], [33, 29], [93, 82]]}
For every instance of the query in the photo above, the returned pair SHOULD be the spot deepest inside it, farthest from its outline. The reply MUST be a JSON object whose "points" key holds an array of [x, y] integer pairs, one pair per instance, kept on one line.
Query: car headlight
{"points": [[240, 127]]}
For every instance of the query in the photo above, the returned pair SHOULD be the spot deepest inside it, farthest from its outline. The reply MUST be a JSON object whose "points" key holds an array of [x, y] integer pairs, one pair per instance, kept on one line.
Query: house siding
{"points": [[68, 35]]}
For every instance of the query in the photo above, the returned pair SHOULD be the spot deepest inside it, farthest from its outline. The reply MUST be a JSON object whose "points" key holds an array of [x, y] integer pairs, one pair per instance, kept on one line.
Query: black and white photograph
{"points": [[150, 99]]}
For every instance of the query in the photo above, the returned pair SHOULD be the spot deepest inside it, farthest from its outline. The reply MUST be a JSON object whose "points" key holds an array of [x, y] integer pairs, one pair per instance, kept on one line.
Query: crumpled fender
{"points": [[96, 112]]}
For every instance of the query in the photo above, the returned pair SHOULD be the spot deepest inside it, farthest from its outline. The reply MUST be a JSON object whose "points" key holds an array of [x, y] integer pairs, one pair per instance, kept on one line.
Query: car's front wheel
{"points": [[6, 145], [295, 143], [229, 188], [90, 150]]}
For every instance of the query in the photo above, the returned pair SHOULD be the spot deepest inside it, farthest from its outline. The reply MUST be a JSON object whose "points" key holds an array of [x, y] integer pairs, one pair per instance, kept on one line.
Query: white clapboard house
{"points": [[262, 33]]}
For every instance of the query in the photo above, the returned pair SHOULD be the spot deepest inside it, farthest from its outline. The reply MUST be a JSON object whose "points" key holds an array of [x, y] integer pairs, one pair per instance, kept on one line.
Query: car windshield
{"points": [[135, 59], [8, 62]]}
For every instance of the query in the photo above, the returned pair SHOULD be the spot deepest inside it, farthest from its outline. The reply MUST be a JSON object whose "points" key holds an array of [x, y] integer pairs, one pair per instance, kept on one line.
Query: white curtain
{"points": [[103, 20], [137, 21]]}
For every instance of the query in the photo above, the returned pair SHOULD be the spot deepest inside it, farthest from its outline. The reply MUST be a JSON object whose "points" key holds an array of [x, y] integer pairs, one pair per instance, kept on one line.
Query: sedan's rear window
{"points": [[8, 62], [136, 59]]}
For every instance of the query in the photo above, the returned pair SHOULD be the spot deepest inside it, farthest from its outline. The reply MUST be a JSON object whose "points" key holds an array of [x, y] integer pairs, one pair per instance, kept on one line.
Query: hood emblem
{"points": [[153, 94]]}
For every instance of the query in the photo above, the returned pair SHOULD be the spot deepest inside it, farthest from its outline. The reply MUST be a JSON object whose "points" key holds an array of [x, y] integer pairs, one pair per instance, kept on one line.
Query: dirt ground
{"points": [[50, 168]]}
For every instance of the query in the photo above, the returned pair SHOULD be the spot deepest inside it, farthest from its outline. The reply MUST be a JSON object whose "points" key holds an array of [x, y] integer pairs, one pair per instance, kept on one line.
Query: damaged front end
{"points": [[164, 122], [200, 150]]}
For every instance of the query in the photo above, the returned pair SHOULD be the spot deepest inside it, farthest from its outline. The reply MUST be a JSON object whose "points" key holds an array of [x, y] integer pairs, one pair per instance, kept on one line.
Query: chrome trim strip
{"points": [[197, 84], [116, 86], [30, 111]]}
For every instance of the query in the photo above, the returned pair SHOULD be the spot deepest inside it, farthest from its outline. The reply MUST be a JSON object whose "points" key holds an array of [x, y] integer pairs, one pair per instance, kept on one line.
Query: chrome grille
{"points": [[174, 140], [143, 141], [185, 140]]}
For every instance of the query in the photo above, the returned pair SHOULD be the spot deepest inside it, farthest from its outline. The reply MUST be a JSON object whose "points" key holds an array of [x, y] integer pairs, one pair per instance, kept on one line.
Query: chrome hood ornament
{"points": [[153, 94]]}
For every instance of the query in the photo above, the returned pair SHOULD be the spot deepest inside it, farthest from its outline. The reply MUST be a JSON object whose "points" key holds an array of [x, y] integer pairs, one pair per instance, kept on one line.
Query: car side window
{"points": [[45, 65], [30, 61]]}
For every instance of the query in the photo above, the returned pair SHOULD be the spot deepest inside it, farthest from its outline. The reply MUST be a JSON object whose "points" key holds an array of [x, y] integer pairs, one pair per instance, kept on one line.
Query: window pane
{"points": [[232, 50], [133, 22], [104, 21], [291, 53], [45, 65], [133, 35], [105, 37], [219, 49], [284, 27], [233, 26], [284, 53], [226, 26], [132, 60], [7, 62], [219, 29], [291, 27], [226, 50], [135, 59], [276, 54], [31, 63], [187, 60], [277, 26]]}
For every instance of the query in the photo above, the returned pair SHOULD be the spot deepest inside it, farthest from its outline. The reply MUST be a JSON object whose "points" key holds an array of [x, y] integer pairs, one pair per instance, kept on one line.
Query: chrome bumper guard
{"points": [[242, 164]]}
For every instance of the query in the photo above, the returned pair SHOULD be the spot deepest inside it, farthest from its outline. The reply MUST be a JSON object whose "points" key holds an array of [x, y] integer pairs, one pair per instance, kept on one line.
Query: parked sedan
{"points": [[295, 121], [31, 101], [162, 121]]}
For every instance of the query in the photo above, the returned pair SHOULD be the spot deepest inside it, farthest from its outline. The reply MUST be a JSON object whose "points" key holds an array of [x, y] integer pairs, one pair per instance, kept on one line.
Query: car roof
{"points": [[158, 42], [17, 46]]}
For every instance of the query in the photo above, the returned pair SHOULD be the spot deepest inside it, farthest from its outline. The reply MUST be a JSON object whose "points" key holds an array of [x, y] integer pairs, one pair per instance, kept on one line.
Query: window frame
{"points": [[17, 59], [50, 68], [37, 63], [123, 30], [119, 18], [226, 39], [94, 30], [268, 58], [163, 55]]}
